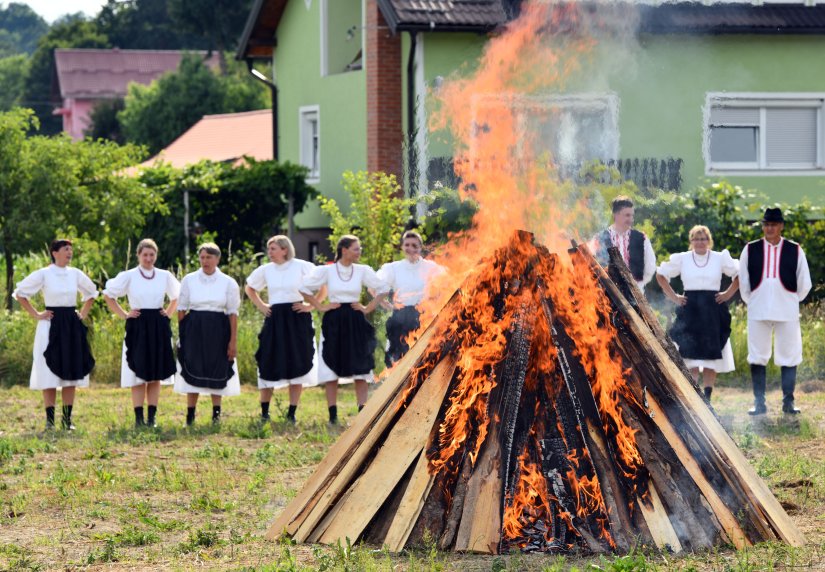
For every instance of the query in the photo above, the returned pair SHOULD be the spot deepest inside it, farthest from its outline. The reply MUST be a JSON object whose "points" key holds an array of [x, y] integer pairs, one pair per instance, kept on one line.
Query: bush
{"points": [[732, 215], [378, 214]]}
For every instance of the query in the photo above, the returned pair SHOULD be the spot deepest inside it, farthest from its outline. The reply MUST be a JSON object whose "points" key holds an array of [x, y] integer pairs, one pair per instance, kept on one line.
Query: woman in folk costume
{"points": [[208, 331], [62, 358], [286, 344], [702, 326], [347, 338], [147, 359], [408, 279]]}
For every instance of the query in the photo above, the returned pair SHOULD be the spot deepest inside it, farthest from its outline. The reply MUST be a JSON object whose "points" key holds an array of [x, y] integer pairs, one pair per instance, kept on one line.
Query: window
{"points": [[310, 134], [341, 36], [571, 129], [764, 133]]}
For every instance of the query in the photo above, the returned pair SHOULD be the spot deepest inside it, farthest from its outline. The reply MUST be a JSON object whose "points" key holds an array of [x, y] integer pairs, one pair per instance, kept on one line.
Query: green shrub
{"points": [[732, 215]]}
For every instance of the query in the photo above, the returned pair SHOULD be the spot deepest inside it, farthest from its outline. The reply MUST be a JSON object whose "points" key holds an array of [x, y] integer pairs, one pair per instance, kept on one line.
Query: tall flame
{"points": [[516, 184]]}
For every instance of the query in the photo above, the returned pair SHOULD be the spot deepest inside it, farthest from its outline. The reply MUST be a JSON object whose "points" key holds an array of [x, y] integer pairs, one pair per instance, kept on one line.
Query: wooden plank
{"points": [[620, 274], [453, 518], [480, 527], [400, 449], [380, 403], [763, 505], [726, 518], [658, 522], [411, 504]]}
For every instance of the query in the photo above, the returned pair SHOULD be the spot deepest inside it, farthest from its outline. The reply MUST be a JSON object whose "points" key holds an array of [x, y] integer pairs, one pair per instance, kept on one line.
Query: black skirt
{"points": [[285, 344], [702, 327], [204, 340], [349, 342], [149, 346], [68, 355], [401, 323]]}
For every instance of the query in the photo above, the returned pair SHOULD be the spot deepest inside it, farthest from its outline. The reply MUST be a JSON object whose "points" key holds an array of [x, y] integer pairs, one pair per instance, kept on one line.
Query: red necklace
{"points": [[338, 272], [144, 275], [693, 255]]}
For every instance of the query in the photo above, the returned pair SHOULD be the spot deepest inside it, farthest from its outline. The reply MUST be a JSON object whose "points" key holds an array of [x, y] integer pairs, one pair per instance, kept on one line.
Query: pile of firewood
{"points": [[543, 409]]}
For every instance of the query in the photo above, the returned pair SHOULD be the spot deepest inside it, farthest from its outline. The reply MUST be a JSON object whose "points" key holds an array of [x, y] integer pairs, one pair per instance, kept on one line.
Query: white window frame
{"points": [[324, 24], [764, 101], [607, 101], [306, 114]]}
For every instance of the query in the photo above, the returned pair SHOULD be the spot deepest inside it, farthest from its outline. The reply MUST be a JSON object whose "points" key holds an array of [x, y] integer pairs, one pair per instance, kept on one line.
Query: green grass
{"points": [[172, 498]]}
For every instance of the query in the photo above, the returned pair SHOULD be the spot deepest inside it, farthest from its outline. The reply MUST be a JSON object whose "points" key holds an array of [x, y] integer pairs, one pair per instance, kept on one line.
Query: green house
{"points": [[676, 94]]}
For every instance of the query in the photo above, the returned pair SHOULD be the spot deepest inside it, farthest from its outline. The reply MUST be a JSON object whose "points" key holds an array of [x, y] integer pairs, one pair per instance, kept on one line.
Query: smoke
{"points": [[537, 108]]}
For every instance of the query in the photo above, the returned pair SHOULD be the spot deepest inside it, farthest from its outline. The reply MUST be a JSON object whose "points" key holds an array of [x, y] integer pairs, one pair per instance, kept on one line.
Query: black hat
{"points": [[773, 215]]}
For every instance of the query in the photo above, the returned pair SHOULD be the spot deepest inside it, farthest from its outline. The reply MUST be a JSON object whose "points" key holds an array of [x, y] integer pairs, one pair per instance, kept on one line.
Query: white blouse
{"points": [[344, 284], [409, 280], [60, 286], [282, 281], [143, 293], [216, 292], [700, 272]]}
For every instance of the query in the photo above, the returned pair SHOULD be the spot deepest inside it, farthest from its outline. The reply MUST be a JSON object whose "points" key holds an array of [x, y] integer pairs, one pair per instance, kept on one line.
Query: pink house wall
{"points": [[76, 116]]}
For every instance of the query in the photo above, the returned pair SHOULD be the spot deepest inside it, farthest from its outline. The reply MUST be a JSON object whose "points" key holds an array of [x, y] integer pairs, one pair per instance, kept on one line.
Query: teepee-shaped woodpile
{"points": [[543, 408]]}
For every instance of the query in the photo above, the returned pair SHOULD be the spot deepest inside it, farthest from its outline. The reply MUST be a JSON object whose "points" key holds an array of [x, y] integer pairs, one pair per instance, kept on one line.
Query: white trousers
{"points": [[787, 342]]}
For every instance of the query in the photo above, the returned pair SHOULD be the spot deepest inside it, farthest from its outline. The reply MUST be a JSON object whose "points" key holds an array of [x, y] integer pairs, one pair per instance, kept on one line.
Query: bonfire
{"points": [[543, 409]]}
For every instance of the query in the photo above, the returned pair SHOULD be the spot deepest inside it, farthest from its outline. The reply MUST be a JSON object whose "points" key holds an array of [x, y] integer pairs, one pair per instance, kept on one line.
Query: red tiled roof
{"points": [[96, 74], [226, 137]]}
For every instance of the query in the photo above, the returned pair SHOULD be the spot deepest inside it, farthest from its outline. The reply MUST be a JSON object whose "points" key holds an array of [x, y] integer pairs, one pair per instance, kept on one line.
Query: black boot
{"points": [[759, 378], [708, 392], [264, 410], [360, 407], [190, 416], [216, 414], [50, 418], [788, 386], [290, 415], [67, 418], [139, 417], [333, 414], [152, 416]]}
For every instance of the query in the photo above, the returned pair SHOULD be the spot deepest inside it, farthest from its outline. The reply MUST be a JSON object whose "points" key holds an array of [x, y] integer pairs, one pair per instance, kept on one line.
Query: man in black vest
{"points": [[633, 245], [773, 279]]}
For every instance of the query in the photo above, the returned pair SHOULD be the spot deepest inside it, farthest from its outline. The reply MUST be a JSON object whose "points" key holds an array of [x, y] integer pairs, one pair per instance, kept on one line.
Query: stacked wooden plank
{"points": [[500, 430]]}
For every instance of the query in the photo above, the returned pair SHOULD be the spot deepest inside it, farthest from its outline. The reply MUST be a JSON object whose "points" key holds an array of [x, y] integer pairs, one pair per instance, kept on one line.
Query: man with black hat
{"points": [[773, 280]]}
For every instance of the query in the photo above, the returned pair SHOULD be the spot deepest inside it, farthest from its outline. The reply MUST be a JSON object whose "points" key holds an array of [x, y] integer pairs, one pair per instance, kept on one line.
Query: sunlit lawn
{"points": [[109, 497]]}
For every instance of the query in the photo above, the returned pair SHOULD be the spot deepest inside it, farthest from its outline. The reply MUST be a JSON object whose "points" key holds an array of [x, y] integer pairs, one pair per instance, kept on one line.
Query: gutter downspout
{"points": [[274, 91], [412, 151]]}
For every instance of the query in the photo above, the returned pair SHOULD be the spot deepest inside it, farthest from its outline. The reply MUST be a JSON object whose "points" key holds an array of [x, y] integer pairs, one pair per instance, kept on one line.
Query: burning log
{"points": [[544, 409]]}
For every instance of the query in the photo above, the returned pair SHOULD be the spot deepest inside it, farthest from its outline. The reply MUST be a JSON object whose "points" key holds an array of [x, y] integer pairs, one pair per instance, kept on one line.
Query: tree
{"points": [[378, 214], [253, 200], [220, 22], [156, 114], [244, 204], [103, 122], [69, 32], [145, 24], [13, 71], [52, 185], [23, 27]]}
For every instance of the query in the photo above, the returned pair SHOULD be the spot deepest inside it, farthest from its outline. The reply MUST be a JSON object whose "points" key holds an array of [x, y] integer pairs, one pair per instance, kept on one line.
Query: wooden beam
{"points": [[765, 511], [411, 504], [402, 446], [381, 406]]}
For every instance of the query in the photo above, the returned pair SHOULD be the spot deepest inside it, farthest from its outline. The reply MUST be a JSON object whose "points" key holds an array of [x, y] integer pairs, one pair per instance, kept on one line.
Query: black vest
{"points": [[788, 260], [636, 250]]}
